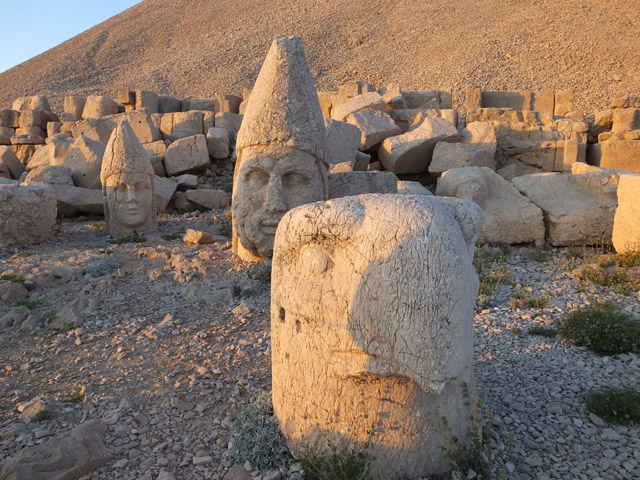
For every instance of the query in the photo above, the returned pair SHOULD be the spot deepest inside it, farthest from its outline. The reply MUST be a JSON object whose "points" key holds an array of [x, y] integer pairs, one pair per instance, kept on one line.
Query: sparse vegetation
{"points": [[134, 237], [30, 304], [619, 405], [261, 271], [256, 436], [12, 277], [516, 331], [76, 397], [488, 263], [538, 302], [69, 326], [338, 465], [541, 254], [173, 236], [42, 416], [225, 227], [602, 328], [543, 331]]}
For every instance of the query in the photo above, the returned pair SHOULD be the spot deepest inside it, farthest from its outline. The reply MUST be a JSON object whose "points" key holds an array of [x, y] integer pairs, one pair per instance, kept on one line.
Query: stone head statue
{"points": [[127, 184], [468, 183], [372, 323], [280, 149]]}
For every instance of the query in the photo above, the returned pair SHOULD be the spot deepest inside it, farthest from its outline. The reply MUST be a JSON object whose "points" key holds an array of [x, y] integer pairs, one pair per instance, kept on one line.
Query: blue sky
{"points": [[32, 27]]}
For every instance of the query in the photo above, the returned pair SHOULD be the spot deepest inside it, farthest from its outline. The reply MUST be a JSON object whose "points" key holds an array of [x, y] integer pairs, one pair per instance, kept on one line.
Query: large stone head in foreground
{"points": [[372, 327], [280, 149], [127, 184]]}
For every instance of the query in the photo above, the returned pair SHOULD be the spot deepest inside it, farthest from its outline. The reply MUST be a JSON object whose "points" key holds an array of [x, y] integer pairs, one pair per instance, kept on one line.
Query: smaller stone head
{"points": [[127, 184], [280, 148], [468, 183]]}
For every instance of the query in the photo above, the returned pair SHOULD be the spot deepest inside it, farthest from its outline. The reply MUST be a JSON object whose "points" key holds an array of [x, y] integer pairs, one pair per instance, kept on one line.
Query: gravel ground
{"points": [[193, 48], [175, 342]]}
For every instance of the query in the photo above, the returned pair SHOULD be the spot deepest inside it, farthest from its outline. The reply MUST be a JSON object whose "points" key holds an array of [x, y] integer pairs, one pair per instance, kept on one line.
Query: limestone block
{"points": [[563, 102], [218, 142], [393, 97], [209, 198], [167, 104], [53, 128], [72, 455], [33, 118], [9, 118], [27, 140], [98, 129], [354, 88], [370, 100], [231, 122], [59, 145], [344, 184], [325, 99], [573, 150], [174, 126], [619, 154], [423, 99], [7, 132], [208, 121], [412, 152], [474, 98], [364, 339], [624, 120], [196, 237], [148, 100], [30, 131], [73, 108], [406, 187], [625, 102], [228, 103], [446, 101], [41, 157], [341, 167], [97, 106], [602, 122], [507, 216], [362, 161], [25, 152], [126, 98], [27, 214], [578, 209], [626, 223], [187, 155], [163, 190], [36, 102], [374, 126], [156, 149], [143, 127], [343, 141], [72, 200], [11, 162], [84, 158], [204, 104], [477, 149], [50, 174]]}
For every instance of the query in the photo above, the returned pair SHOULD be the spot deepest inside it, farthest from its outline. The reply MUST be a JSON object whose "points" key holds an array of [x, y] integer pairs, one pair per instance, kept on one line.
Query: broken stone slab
{"points": [[156, 151], [218, 142], [231, 122], [51, 175], [72, 200], [623, 120], [204, 104], [228, 103], [174, 126], [422, 99], [187, 155], [163, 191], [374, 127], [563, 102], [412, 152], [406, 187], [35, 102], [326, 102], [84, 159], [27, 140], [578, 209], [626, 223], [143, 127], [507, 216], [186, 181], [209, 198], [370, 100], [33, 118], [393, 97], [617, 154], [516, 169], [196, 237], [98, 129], [97, 106], [344, 184], [343, 141], [27, 214], [147, 100], [72, 455], [11, 162], [168, 104], [476, 149]]}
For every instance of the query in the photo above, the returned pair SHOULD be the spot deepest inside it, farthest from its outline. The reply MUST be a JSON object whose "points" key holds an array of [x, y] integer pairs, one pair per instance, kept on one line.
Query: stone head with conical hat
{"points": [[280, 149], [127, 183]]}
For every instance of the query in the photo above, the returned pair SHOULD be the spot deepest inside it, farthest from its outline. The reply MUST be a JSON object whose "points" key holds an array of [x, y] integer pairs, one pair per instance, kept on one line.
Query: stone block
{"points": [[167, 104], [370, 100], [156, 151], [51, 175], [11, 162], [618, 154], [218, 142], [126, 98], [98, 129], [345, 184], [27, 214], [97, 106], [326, 102], [563, 102], [208, 121], [230, 121], [187, 155], [73, 108], [412, 152], [204, 104], [623, 120], [228, 103], [174, 126], [209, 198], [422, 99], [53, 128], [374, 127], [30, 139], [9, 118], [143, 127], [343, 141], [36, 102], [32, 131], [406, 187], [626, 223], [625, 102], [393, 97], [72, 200], [571, 150], [147, 100], [84, 159], [163, 190], [33, 118]]}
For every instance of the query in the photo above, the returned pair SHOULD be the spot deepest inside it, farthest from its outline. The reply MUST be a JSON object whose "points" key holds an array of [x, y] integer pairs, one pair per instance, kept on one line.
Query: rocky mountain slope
{"points": [[193, 48]]}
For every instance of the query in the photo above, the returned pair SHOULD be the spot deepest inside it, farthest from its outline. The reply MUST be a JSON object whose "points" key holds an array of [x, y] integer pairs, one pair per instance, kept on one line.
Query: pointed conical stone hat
{"points": [[283, 108], [124, 154]]}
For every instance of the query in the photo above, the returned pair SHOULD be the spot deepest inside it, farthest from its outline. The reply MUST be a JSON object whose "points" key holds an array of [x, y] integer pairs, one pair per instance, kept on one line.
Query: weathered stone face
{"points": [[270, 183], [371, 320]]}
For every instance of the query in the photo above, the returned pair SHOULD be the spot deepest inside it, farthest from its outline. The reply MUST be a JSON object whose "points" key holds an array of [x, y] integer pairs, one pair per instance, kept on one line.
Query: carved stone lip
{"points": [[270, 226]]}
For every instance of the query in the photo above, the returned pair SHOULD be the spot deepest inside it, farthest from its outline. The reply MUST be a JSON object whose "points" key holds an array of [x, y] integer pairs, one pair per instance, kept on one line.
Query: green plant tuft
{"points": [[352, 465], [541, 254], [42, 415], [261, 271], [226, 228], [134, 237], [543, 331], [12, 277], [76, 397], [602, 328], [619, 405], [256, 436], [30, 304]]}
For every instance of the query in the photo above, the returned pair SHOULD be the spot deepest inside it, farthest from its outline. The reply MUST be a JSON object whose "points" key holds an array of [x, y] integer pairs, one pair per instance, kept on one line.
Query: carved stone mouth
{"points": [[269, 227]]}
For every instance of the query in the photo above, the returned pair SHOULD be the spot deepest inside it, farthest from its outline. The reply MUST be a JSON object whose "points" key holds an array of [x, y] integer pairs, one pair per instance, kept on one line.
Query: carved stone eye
{"points": [[315, 261]]}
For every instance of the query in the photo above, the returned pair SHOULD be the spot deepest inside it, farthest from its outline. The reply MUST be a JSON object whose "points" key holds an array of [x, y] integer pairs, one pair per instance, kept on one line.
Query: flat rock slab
{"points": [[67, 457], [27, 214]]}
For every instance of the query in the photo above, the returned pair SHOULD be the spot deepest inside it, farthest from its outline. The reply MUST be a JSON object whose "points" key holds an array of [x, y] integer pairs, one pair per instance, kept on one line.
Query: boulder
{"points": [[507, 216], [11, 163], [218, 142], [98, 129], [68, 456], [73, 107], [72, 200], [97, 106], [623, 120], [343, 141], [187, 155], [229, 121], [50, 174], [84, 159], [374, 127], [174, 126], [412, 152], [618, 154], [209, 198], [196, 237], [370, 100], [27, 214], [406, 187], [363, 292], [163, 191], [344, 184], [578, 209], [143, 127], [626, 222]]}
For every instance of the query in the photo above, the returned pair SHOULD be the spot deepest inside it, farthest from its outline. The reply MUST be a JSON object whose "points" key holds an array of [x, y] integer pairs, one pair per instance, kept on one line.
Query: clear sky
{"points": [[34, 26]]}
